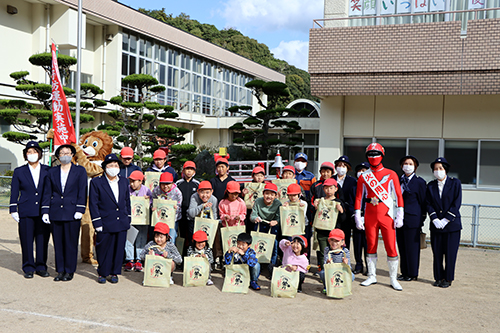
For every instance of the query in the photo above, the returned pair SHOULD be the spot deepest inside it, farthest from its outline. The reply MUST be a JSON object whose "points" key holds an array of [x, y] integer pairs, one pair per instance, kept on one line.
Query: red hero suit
{"points": [[377, 213]]}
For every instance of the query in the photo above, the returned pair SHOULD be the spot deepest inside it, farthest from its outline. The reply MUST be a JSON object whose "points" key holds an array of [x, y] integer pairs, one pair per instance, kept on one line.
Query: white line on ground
{"points": [[78, 321]]}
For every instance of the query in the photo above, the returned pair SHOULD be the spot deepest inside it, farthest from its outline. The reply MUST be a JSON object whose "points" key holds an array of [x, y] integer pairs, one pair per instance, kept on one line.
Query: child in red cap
{"points": [[258, 176], [293, 192], [161, 246], [168, 190], [294, 256], [199, 248], [160, 164], [232, 209]]}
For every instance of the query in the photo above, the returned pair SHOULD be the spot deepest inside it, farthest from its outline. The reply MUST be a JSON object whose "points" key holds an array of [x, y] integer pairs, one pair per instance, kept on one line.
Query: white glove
{"points": [[437, 223], [360, 221], [98, 229], [444, 222], [45, 218], [398, 221], [78, 216], [15, 216]]}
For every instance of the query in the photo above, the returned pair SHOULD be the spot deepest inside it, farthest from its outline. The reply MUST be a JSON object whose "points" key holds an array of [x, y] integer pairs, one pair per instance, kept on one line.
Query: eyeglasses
{"points": [[65, 154]]}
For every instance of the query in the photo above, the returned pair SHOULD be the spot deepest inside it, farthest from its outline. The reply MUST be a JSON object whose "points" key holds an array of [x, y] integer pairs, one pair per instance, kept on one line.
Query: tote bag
{"points": [[284, 283], [237, 278], [152, 179], [282, 187], [229, 236], [207, 225], [292, 220], [164, 212], [338, 280], [157, 271], [196, 271], [255, 191], [326, 215], [140, 210], [262, 244]]}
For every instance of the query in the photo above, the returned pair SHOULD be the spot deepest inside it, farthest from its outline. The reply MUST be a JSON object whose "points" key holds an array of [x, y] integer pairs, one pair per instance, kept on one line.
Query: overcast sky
{"points": [[283, 25]]}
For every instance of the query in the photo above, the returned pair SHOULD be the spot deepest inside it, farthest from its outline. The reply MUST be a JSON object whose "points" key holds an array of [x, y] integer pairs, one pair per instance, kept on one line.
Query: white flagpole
{"points": [[78, 71]]}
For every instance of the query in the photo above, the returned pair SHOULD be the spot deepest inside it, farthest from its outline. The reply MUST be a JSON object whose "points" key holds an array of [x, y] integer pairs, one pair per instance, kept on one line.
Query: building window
{"points": [[489, 163], [426, 151], [4, 126], [355, 149], [462, 156]]}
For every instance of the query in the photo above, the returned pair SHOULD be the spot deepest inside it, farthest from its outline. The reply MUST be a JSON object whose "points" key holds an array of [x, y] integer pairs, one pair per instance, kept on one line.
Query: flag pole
{"points": [[78, 70]]}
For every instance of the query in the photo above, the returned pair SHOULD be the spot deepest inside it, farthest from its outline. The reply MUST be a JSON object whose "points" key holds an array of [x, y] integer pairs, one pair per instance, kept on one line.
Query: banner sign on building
{"points": [[437, 5], [404, 6], [355, 7], [370, 7], [388, 7], [476, 4], [421, 6]]}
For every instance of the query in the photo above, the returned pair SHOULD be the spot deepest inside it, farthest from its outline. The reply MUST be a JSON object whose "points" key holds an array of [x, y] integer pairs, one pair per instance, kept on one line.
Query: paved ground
{"points": [[472, 303]]}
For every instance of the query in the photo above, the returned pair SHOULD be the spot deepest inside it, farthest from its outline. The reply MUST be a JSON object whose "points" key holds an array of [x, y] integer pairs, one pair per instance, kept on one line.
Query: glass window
{"points": [[133, 44], [173, 58], [207, 86], [197, 65], [310, 139], [227, 75], [124, 64], [196, 83], [163, 54], [394, 150], [426, 151], [227, 91], [132, 65], [172, 79], [184, 100], [163, 69], [172, 97], [149, 49], [489, 165], [142, 47], [462, 156], [206, 105], [196, 103], [125, 42], [157, 51], [355, 149], [160, 98], [185, 61], [185, 79], [4, 126], [249, 97], [234, 94], [207, 69], [217, 89]]}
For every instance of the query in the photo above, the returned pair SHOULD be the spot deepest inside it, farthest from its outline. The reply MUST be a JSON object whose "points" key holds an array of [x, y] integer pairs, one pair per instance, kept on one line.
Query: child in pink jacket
{"points": [[294, 257], [232, 209]]}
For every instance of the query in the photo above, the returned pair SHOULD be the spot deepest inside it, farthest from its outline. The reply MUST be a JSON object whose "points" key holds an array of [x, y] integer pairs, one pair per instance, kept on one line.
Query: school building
{"points": [[202, 79]]}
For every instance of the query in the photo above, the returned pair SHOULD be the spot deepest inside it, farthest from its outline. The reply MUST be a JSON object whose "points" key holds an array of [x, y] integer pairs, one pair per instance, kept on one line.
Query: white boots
{"points": [[371, 264], [372, 271]]}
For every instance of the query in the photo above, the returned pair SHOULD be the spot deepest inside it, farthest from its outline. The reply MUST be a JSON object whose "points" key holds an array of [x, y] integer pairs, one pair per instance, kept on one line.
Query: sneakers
{"points": [[114, 279], [138, 267], [171, 281], [101, 279], [129, 266], [254, 285], [209, 282], [323, 291]]}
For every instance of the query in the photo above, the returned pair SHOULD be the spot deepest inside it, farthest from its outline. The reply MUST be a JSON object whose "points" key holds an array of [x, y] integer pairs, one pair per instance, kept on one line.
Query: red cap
{"points": [[289, 168], [136, 175], [200, 236], [233, 187], [159, 154], [271, 187], [293, 189], [327, 165], [222, 160], [258, 170], [330, 182], [189, 164], [127, 152], [166, 177], [337, 234], [302, 238], [205, 185], [162, 228]]}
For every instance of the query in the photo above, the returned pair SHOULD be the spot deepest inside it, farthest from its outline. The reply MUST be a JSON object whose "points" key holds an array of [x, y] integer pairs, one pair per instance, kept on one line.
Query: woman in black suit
{"points": [[444, 198], [413, 188], [25, 202]]}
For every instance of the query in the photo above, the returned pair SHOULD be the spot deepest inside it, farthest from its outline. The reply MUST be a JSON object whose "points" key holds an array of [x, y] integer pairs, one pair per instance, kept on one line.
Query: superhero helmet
{"points": [[375, 147]]}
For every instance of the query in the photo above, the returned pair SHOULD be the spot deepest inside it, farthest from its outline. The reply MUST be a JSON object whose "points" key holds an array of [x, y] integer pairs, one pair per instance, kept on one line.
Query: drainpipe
{"points": [[47, 35], [103, 81]]}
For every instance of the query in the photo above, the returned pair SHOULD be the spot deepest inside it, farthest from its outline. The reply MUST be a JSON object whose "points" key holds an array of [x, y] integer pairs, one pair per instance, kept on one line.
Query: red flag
{"points": [[64, 132]]}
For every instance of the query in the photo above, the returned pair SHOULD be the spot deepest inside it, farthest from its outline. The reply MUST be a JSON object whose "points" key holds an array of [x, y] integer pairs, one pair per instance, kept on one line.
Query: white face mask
{"points": [[341, 171], [408, 169], [359, 173], [300, 165], [112, 172], [32, 158], [439, 174]]}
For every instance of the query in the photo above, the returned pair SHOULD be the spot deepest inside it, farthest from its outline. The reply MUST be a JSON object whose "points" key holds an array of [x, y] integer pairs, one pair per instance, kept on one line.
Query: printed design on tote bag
{"points": [[154, 184], [232, 240], [336, 279], [284, 283], [156, 270], [283, 192], [195, 272], [138, 210], [325, 214], [205, 228], [163, 213], [260, 246], [236, 279], [292, 220]]}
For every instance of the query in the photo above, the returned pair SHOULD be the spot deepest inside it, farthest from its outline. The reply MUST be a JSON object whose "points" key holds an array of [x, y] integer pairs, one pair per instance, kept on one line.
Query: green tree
{"points": [[255, 129]]}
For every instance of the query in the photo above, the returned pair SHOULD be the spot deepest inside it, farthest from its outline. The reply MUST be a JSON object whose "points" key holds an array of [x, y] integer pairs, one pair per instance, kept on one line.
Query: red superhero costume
{"points": [[379, 185]]}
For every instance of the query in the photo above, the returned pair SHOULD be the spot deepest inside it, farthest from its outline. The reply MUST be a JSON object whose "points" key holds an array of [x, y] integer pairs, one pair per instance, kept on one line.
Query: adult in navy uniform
{"points": [[348, 186], [25, 202], [63, 205], [444, 198], [359, 236], [109, 204], [415, 210]]}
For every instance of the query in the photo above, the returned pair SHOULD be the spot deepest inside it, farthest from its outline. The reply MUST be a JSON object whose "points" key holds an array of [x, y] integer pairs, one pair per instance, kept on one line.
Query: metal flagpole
{"points": [[78, 71]]}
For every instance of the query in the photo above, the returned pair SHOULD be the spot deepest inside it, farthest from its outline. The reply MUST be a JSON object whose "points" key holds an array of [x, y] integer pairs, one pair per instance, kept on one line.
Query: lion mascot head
{"points": [[91, 151]]}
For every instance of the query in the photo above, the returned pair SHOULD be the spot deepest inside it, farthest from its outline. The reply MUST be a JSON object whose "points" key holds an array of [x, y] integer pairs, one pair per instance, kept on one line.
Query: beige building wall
{"points": [[331, 128]]}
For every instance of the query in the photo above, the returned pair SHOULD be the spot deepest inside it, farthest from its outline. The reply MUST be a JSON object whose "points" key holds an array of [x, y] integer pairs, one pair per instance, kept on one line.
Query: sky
{"points": [[283, 25]]}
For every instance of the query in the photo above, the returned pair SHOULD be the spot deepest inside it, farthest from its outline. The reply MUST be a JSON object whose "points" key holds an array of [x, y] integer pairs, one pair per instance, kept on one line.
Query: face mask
{"points": [[375, 161], [300, 165], [439, 174], [341, 171], [32, 158], [359, 174], [112, 172], [65, 159], [408, 169]]}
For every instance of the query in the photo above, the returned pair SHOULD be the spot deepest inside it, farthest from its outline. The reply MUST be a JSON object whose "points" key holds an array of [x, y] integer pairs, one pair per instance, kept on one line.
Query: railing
{"points": [[243, 175]]}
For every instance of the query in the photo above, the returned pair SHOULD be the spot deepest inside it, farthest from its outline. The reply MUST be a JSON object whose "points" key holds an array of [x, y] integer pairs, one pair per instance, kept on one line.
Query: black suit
{"points": [[408, 236], [348, 193]]}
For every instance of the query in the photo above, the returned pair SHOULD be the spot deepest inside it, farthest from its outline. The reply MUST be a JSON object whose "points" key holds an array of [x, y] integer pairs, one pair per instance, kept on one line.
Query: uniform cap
{"points": [[401, 161], [344, 159], [300, 155], [108, 159]]}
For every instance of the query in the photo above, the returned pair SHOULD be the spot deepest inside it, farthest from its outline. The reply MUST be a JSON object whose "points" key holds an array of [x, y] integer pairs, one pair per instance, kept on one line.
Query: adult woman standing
{"points": [[63, 204], [348, 186], [413, 188], [444, 198], [25, 202]]}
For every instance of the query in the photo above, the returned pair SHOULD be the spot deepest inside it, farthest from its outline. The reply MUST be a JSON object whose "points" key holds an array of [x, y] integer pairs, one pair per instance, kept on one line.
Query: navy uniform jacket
{"points": [[349, 191], [125, 171], [448, 206], [25, 198], [63, 206], [104, 210], [415, 205]]}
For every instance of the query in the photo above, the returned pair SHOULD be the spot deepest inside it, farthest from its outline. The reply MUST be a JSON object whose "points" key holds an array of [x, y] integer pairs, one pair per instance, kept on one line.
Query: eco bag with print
{"points": [[255, 190], [140, 210], [237, 278], [229, 236], [338, 280], [284, 282], [164, 211], [292, 220], [152, 179], [157, 271], [209, 226], [196, 271], [326, 215], [263, 244], [282, 187]]}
